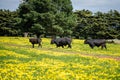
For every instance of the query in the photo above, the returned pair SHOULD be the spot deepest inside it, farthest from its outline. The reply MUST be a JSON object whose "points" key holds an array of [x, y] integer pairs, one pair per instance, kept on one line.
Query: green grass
{"points": [[18, 60]]}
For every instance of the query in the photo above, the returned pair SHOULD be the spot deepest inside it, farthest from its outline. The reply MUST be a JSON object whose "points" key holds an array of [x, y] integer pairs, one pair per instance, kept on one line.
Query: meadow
{"points": [[19, 61]]}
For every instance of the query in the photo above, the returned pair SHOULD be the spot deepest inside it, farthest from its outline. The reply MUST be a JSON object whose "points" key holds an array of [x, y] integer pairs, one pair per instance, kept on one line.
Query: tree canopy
{"points": [[55, 17], [8, 23], [50, 15], [99, 25]]}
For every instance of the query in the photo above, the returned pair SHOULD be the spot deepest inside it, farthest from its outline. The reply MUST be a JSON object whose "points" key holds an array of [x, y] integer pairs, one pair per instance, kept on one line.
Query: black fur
{"points": [[62, 42], [35, 41], [96, 42]]}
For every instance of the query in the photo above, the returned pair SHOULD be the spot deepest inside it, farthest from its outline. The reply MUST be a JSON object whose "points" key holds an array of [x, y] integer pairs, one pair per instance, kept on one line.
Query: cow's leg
{"points": [[92, 46], [62, 46], [69, 45], [38, 44], [103, 46], [33, 45], [57, 46], [41, 45]]}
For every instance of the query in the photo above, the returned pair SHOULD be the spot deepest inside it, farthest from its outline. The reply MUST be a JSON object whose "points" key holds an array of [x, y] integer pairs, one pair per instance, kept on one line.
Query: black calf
{"points": [[96, 42], [35, 41], [62, 42]]}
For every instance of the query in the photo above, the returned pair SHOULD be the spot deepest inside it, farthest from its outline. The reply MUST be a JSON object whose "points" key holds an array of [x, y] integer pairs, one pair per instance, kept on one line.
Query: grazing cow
{"points": [[35, 41], [62, 42], [96, 42]]}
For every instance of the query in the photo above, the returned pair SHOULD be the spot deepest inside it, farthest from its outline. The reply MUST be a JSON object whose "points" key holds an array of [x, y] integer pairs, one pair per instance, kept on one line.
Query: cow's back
{"points": [[96, 42], [99, 41], [34, 40], [61, 41]]}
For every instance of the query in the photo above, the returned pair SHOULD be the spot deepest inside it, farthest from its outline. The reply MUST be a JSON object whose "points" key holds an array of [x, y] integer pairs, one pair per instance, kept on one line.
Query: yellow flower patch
{"points": [[18, 61]]}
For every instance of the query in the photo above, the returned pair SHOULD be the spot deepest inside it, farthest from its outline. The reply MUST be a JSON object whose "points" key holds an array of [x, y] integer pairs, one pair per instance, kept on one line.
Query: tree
{"points": [[37, 29], [113, 21], [50, 14], [99, 25], [83, 23], [8, 22]]}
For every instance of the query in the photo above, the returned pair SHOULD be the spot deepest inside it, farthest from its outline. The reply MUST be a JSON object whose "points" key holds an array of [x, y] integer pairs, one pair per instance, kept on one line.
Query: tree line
{"points": [[98, 25], [56, 17]]}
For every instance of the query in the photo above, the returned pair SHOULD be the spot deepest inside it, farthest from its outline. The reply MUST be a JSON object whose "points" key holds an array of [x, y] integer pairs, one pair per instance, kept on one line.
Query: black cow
{"points": [[35, 41], [62, 42], [96, 42]]}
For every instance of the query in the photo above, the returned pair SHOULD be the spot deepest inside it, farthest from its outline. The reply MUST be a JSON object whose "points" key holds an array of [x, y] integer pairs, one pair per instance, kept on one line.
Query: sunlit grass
{"points": [[18, 60]]}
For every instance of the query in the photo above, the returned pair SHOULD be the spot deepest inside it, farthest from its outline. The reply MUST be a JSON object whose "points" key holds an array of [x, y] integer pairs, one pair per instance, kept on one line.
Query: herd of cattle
{"points": [[61, 42]]}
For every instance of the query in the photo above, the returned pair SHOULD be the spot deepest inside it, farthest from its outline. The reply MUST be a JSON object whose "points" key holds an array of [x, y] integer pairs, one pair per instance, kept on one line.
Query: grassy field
{"points": [[18, 60]]}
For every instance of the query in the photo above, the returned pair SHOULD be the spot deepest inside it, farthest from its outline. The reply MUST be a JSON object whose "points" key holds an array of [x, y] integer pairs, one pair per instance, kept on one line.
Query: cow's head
{"points": [[52, 41], [86, 41]]}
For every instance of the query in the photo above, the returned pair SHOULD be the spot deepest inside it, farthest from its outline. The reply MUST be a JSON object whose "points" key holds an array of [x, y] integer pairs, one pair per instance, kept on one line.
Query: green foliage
{"points": [[57, 29], [8, 22], [55, 17], [47, 13], [99, 25], [37, 29]]}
